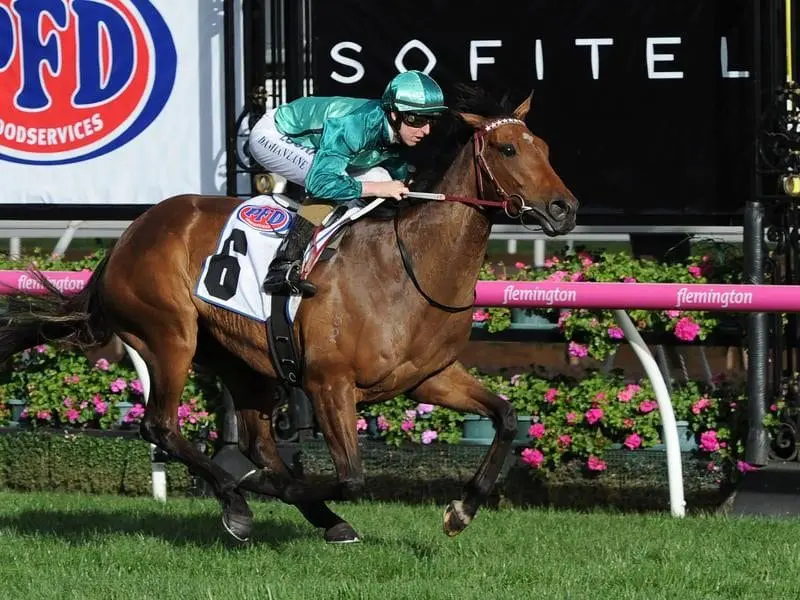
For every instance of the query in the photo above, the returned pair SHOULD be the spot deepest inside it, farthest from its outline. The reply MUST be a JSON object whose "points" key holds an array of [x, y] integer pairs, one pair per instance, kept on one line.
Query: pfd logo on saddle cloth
{"points": [[79, 78], [274, 220]]}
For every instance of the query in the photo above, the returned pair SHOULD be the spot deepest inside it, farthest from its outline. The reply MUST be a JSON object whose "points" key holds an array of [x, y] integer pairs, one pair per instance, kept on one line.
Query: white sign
{"points": [[110, 101]]}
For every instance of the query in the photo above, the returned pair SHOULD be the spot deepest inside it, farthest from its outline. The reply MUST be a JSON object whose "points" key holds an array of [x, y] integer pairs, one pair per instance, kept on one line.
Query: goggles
{"points": [[418, 120]]}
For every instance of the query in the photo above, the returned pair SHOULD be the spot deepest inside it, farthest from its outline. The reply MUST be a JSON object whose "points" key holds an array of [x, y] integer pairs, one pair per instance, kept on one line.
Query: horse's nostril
{"points": [[559, 209]]}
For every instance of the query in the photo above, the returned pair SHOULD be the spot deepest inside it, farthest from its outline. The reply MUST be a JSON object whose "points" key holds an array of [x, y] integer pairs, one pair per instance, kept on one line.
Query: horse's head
{"points": [[513, 165]]}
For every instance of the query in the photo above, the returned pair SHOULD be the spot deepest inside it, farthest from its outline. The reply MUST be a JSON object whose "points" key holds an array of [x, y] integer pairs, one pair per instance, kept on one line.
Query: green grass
{"points": [[93, 547]]}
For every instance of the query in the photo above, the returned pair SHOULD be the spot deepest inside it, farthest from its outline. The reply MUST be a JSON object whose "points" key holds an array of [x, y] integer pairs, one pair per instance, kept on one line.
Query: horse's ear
{"points": [[475, 120], [522, 110]]}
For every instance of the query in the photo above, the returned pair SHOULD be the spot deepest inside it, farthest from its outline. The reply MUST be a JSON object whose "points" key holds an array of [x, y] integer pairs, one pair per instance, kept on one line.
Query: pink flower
{"points": [[72, 379], [41, 348], [773, 407], [586, 260], [532, 457], [633, 441], [557, 276], [701, 405], [383, 424], [101, 364], [709, 441], [578, 350], [648, 406], [361, 425], [73, 415], [629, 392], [695, 271], [686, 329], [212, 435], [572, 418], [550, 395], [68, 402], [520, 265], [137, 387], [564, 440], [135, 412], [596, 464], [594, 415], [479, 316], [429, 435], [744, 467], [424, 409], [673, 314], [629, 280], [407, 425], [600, 397], [118, 385], [615, 333], [100, 407], [536, 431], [43, 415], [562, 318], [411, 414], [577, 276]]}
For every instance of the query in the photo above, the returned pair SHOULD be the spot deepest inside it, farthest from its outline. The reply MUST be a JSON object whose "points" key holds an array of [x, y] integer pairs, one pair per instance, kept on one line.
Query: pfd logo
{"points": [[79, 78], [269, 219]]}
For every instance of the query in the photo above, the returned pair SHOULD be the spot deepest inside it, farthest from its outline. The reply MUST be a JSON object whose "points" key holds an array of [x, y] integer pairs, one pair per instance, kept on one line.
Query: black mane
{"points": [[436, 153]]}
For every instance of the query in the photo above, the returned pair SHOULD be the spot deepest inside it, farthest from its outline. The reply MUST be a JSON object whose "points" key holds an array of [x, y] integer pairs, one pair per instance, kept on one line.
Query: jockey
{"points": [[341, 149]]}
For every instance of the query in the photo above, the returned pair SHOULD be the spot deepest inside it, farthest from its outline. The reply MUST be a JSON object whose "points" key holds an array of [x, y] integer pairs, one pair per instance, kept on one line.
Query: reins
{"points": [[482, 168]]}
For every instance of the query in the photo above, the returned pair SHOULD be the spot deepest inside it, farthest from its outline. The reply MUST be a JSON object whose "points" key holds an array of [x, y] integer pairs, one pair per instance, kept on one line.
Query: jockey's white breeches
{"points": [[277, 153]]}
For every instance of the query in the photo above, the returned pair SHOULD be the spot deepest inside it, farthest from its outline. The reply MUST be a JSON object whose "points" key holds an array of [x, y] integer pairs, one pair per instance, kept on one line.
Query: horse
{"points": [[391, 314]]}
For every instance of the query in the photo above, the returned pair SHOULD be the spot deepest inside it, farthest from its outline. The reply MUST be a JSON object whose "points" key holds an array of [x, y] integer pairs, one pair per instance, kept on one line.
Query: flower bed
{"points": [[595, 333]]}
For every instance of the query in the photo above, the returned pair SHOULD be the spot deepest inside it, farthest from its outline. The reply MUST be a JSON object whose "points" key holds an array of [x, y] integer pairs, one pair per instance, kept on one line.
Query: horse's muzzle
{"points": [[561, 213]]}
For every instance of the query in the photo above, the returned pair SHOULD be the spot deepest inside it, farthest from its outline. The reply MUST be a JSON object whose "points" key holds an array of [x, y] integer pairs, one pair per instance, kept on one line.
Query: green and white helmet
{"points": [[413, 91]]}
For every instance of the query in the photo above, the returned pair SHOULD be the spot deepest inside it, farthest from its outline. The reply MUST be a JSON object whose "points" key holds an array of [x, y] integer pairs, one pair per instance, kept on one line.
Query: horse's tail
{"points": [[78, 321]]}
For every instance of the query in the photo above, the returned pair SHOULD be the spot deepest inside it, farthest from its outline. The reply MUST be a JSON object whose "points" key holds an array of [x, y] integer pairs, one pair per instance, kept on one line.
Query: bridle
{"points": [[481, 169]]}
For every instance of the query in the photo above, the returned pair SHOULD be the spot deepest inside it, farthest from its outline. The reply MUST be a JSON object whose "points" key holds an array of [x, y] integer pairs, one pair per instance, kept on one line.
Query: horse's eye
{"points": [[508, 149]]}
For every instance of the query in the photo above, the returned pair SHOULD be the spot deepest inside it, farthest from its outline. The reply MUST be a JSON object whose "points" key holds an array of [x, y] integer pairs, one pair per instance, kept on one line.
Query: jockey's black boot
{"points": [[283, 276]]}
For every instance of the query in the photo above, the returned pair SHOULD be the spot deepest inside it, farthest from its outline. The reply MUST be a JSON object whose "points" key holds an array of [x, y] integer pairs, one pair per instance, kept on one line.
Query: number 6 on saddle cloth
{"points": [[231, 277]]}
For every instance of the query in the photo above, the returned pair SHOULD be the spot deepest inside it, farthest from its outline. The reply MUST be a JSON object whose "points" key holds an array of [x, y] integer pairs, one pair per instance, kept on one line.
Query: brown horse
{"points": [[378, 326]]}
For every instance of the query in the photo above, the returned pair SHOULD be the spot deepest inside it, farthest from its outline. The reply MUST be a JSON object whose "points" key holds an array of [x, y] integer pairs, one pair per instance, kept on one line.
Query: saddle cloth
{"points": [[231, 278]]}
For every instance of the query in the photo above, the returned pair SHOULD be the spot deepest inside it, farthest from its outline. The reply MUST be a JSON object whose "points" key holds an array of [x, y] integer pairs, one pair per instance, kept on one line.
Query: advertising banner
{"points": [[110, 101], [647, 106]]}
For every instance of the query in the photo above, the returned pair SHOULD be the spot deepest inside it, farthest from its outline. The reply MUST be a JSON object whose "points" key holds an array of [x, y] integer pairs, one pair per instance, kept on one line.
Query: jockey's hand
{"points": [[384, 189]]}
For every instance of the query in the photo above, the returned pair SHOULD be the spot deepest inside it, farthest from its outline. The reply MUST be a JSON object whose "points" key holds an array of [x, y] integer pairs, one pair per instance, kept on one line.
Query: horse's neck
{"points": [[455, 232]]}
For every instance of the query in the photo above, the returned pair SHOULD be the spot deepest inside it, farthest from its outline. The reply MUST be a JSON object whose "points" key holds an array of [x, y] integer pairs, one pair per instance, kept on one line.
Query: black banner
{"points": [[647, 106]]}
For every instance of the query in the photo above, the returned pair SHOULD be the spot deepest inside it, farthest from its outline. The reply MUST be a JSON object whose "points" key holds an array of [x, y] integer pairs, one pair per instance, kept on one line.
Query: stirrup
{"points": [[290, 281]]}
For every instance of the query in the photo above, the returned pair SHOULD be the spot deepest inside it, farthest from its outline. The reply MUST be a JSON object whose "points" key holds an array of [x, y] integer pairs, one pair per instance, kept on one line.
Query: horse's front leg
{"points": [[455, 388], [335, 408]]}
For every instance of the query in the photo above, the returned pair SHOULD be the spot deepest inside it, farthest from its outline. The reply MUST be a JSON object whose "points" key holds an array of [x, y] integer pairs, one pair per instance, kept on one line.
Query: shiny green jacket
{"points": [[348, 133]]}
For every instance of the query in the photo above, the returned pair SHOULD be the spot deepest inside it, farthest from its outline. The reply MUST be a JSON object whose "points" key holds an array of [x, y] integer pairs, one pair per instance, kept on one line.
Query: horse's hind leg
{"points": [[253, 396], [455, 388], [169, 361]]}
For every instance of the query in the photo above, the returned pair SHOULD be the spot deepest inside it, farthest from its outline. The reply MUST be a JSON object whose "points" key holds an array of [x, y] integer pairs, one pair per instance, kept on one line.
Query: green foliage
{"points": [[48, 262], [595, 333], [38, 461]]}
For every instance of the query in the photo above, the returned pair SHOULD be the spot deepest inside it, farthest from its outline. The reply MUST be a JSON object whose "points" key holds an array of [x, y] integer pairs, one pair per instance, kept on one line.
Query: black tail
{"points": [[77, 321]]}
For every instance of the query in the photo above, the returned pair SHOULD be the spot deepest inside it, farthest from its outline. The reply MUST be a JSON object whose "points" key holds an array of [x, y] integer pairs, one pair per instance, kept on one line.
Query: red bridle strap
{"points": [[481, 168]]}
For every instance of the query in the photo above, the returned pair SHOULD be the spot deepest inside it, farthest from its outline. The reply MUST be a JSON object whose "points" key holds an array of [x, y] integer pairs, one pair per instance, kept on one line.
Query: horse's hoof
{"points": [[342, 533], [456, 518], [238, 525]]}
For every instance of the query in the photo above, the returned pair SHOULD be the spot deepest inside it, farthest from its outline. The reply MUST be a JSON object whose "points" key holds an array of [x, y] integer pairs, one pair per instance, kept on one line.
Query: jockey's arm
{"points": [[328, 177]]}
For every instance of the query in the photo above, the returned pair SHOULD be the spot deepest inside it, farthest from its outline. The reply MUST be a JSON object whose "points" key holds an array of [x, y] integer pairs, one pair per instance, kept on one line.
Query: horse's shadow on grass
{"points": [[89, 526]]}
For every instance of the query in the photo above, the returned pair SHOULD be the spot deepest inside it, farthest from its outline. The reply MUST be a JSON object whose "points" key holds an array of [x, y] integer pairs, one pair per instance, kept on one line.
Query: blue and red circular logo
{"points": [[79, 78], [267, 219]]}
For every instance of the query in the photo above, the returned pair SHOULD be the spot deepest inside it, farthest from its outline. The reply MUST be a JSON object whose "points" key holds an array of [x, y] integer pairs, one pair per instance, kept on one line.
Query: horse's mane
{"points": [[438, 151]]}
